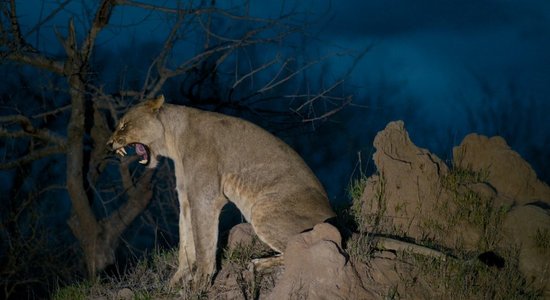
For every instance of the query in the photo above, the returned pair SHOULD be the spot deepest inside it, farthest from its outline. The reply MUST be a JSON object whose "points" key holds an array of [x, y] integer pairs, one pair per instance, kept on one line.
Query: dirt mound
{"points": [[489, 201], [508, 173], [317, 268]]}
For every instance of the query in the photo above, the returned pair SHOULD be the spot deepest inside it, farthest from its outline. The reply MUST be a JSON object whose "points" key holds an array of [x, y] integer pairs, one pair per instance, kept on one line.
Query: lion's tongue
{"points": [[140, 150]]}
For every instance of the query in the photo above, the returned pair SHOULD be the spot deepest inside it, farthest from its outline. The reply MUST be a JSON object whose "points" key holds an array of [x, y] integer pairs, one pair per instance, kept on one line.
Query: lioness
{"points": [[218, 158]]}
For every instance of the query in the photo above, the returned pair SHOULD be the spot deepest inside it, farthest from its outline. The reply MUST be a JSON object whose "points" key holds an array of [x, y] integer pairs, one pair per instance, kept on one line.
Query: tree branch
{"points": [[28, 130], [36, 60], [160, 61], [198, 11], [164, 9], [139, 195], [329, 113], [48, 18], [32, 156], [15, 29], [20, 51], [101, 19], [52, 112]]}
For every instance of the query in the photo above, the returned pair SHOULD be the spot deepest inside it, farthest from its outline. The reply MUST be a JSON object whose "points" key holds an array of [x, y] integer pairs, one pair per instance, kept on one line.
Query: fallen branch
{"points": [[384, 243]]}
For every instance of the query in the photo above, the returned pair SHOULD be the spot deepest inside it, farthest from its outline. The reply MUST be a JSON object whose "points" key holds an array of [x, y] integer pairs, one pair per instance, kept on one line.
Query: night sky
{"points": [[446, 68], [449, 68]]}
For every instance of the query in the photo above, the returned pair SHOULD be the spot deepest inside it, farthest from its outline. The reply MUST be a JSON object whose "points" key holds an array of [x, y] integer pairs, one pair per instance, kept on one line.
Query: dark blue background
{"points": [[446, 67]]}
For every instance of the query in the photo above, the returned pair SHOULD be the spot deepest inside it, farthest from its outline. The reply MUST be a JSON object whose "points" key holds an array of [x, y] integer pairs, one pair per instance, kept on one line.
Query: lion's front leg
{"points": [[187, 251], [205, 214]]}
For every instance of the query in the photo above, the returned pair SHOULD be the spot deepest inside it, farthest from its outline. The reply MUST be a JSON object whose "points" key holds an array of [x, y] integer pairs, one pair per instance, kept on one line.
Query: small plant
{"points": [[357, 187], [470, 279], [360, 247], [77, 291], [239, 259], [468, 206], [243, 253], [148, 279], [463, 176], [374, 218], [367, 213], [393, 293], [542, 239]]}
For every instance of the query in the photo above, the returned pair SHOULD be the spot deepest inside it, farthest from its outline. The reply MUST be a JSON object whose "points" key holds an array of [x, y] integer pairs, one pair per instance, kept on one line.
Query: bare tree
{"points": [[238, 62]]}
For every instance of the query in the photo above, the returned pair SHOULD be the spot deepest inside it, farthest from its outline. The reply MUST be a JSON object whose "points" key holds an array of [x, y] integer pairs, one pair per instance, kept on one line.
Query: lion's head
{"points": [[140, 129]]}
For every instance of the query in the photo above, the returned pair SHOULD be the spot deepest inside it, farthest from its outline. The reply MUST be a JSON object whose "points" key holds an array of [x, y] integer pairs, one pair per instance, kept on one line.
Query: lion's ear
{"points": [[156, 104]]}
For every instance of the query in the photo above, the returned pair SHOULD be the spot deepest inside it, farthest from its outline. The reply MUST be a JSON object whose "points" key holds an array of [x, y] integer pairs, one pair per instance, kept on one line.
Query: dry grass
{"points": [[238, 259], [542, 240], [360, 245], [147, 280], [462, 275], [469, 278], [468, 206]]}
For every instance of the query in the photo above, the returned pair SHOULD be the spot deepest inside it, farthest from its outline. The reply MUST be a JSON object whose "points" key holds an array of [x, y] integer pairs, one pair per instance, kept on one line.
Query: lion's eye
{"points": [[122, 126]]}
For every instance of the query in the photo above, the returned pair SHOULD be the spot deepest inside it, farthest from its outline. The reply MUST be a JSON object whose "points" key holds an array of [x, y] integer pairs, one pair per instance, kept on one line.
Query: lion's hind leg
{"points": [[277, 219]]}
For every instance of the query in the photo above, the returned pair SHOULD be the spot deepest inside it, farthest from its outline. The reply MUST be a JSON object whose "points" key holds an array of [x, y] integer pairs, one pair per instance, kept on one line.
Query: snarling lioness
{"points": [[218, 158]]}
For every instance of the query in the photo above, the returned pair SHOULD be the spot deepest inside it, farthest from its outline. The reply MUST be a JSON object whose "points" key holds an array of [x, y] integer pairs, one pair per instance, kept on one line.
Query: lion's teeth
{"points": [[123, 150], [143, 161], [120, 152]]}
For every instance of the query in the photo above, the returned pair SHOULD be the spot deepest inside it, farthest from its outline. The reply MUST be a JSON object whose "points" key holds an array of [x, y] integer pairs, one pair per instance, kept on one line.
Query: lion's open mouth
{"points": [[140, 149]]}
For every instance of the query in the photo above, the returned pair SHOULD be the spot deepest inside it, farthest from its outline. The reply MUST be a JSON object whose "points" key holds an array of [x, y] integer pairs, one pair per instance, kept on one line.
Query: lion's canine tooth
{"points": [[123, 150], [143, 161], [120, 152]]}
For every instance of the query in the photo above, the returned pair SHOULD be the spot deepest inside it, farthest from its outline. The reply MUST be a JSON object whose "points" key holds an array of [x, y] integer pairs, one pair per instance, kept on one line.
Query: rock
{"points": [[517, 185], [411, 178], [528, 227], [241, 234], [506, 206], [125, 294], [316, 268], [408, 193], [513, 178]]}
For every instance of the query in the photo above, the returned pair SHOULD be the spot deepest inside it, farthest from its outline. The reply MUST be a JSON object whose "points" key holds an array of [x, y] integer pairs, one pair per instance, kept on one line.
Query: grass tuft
{"points": [[471, 207], [360, 246], [148, 279], [238, 259], [77, 291], [542, 239], [470, 278]]}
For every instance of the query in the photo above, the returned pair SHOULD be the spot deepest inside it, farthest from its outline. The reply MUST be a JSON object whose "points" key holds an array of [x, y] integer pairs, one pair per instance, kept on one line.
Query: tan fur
{"points": [[218, 158]]}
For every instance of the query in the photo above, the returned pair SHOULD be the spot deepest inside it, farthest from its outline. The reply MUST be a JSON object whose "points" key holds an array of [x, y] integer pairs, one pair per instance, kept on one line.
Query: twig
{"points": [[29, 130], [329, 113], [48, 18], [320, 95], [251, 73], [32, 156], [52, 112]]}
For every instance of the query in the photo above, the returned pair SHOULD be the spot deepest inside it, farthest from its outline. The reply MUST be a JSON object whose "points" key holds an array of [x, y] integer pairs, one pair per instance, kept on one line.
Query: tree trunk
{"points": [[98, 240], [82, 222]]}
